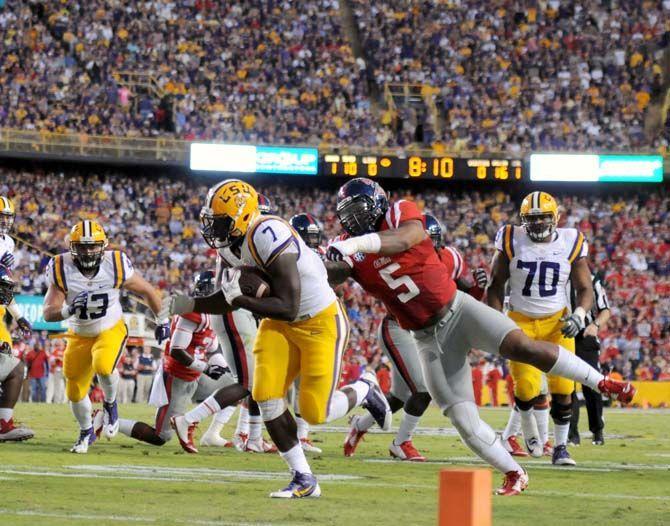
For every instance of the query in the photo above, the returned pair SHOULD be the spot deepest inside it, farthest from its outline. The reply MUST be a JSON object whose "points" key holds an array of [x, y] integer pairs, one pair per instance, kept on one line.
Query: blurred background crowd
{"points": [[155, 221]]}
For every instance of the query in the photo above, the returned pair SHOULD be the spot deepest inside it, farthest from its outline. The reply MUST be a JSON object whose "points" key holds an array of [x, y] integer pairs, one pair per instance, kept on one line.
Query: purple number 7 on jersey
{"points": [[274, 237]]}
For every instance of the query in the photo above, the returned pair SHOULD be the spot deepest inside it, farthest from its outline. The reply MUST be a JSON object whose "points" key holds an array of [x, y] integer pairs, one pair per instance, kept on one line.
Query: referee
{"points": [[587, 347]]}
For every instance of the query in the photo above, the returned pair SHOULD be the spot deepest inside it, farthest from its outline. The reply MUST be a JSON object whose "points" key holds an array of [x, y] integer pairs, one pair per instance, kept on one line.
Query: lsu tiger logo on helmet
{"points": [[88, 242], [229, 209], [7, 215], [539, 216]]}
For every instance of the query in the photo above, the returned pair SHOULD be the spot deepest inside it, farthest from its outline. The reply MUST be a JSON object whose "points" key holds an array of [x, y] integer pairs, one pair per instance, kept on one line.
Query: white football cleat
{"points": [[302, 486], [184, 432], [260, 446], [98, 418], [110, 419], [10, 433], [406, 451], [308, 447], [514, 483], [86, 438], [214, 440], [240, 441]]}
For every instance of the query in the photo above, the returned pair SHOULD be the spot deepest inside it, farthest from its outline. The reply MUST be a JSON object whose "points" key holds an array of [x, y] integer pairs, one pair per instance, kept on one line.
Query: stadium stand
{"points": [[155, 219]]}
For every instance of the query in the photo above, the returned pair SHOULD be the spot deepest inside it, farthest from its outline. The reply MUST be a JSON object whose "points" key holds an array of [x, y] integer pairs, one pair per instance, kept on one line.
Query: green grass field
{"points": [[626, 482]]}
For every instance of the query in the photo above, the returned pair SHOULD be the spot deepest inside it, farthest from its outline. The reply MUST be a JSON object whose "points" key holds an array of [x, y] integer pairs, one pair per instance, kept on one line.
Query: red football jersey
{"points": [[202, 341], [453, 260], [413, 285]]}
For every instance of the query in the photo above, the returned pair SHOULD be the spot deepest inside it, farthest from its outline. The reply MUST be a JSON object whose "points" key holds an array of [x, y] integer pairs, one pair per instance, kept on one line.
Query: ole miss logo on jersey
{"points": [[413, 285]]}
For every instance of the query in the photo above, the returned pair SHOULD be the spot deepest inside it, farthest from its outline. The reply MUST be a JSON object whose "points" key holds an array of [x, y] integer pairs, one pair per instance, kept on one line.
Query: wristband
{"points": [[65, 311], [198, 365], [368, 243]]}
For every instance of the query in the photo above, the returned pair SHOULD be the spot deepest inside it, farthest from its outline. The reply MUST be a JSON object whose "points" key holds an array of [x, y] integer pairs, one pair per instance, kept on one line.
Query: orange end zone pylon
{"points": [[465, 497]]}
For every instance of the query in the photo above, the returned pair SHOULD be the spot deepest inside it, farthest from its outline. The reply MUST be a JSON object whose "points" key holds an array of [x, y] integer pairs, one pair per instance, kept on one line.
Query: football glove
{"points": [[480, 277], [162, 332], [79, 303], [25, 327], [215, 371], [7, 260], [230, 285], [573, 324]]}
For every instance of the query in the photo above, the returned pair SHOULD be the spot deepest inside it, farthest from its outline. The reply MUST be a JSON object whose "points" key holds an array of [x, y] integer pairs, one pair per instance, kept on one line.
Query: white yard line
{"points": [[603, 496]]}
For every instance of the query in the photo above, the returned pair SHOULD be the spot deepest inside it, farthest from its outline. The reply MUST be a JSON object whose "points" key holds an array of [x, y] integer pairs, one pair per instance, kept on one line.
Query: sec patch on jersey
{"points": [[252, 282]]}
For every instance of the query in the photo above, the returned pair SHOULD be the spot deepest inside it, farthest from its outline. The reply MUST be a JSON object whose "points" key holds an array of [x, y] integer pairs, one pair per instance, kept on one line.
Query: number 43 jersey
{"points": [[539, 272], [103, 308], [414, 285]]}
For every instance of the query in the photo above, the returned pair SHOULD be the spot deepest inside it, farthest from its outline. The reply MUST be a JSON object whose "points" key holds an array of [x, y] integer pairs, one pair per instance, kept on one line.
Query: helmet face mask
{"points": [[539, 227], [217, 231], [231, 206], [6, 287], [434, 230], [312, 239], [308, 228], [361, 204], [6, 223], [203, 284], [87, 256]]}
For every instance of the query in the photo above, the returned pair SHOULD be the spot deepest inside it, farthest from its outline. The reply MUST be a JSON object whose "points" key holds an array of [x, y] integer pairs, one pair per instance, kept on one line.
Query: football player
{"points": [[7, 216], [11, 373], [539, 259], [84, 286], [310, 230], [191, 340], [389, 253], [408, 389], [303, 332]]}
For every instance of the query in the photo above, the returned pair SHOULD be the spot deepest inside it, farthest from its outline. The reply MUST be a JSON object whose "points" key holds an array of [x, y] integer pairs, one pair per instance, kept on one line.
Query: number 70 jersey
{"points": [[539, 272], [103, 306]]}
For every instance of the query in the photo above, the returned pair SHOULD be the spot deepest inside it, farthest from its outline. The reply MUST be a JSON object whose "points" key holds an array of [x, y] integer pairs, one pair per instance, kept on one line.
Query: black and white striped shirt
{"points": [[600, 302]]}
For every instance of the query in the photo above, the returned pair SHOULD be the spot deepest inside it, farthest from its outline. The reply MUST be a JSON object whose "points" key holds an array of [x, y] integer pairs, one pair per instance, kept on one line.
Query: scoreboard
{"points": [[424, 167]]}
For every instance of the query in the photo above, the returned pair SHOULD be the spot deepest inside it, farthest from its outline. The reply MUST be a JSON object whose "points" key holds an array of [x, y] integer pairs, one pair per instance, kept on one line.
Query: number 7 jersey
{"points": [[103, 307], [539, 272], [414, 285]]}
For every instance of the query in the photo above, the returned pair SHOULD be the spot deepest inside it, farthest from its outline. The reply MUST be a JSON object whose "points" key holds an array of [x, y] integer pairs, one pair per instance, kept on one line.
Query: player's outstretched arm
{"points": [[338, 272], [145, 290], [386, 243], [284, 280], [54, 302], [495, 292]]}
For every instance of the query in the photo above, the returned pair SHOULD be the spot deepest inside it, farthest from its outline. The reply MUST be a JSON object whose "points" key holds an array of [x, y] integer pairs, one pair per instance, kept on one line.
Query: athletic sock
{"points": [[221, 419], [126, 426], [542, 419], [243, 421], [365, 422], [513, 424], [573, 368], [561, 432], [82, 412], [407, 426], [109, 384], [303, 427], [208, 407], [295, 458], [255, 428], [6, 413], [339, 405]]}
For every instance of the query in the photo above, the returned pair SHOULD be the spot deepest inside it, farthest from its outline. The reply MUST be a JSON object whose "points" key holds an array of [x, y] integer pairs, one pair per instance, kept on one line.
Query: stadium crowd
{"points": [[155, 220], [506, 75]]}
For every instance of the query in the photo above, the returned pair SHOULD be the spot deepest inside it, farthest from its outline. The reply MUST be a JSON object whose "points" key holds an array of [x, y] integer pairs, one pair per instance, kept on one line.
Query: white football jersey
{"points": [[540, 272], [270, 236], [103, 308]]}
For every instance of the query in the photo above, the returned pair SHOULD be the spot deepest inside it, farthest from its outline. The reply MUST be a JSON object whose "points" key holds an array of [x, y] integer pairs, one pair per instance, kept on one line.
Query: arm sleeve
{"points": [[270, 239], [183, 333]]}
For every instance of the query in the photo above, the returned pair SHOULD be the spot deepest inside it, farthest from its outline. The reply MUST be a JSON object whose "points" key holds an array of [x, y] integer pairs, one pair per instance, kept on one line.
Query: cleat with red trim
{"points": [[308, 447], [98, 418], [214, 440], [621, 391], [513, 484], [260, 446], [240, 441], [514, 448], [548, 449], [303, 485], [10, 433], [406, 451], [184, 432], [353, 437]]}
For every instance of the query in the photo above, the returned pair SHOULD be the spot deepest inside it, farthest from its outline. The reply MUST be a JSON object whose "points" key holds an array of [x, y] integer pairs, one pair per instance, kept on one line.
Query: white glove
{"points": [[172, 305], [230, 285]]}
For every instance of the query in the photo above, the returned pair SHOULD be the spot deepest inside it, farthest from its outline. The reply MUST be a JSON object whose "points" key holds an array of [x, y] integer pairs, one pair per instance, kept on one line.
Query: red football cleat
{"points": [[406, 451], [353, 438], [621, 391], [548, 449], [512, 445], [184, 432], [513, 484]]}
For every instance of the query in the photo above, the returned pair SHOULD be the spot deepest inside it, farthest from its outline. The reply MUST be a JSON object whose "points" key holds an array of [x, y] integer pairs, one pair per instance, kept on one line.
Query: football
{"points": [[252, 282]]}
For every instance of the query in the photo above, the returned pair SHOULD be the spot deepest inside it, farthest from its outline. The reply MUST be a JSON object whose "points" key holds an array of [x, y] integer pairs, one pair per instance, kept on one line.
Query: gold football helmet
{"points": [[229, 209], [88, 242], [7, 215], [539, 215]]}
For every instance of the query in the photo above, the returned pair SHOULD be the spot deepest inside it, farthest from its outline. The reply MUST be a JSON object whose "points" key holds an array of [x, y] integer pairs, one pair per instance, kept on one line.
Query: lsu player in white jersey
{"points": [[539, 259], [84, 286], [303, 332], [7, 216]]}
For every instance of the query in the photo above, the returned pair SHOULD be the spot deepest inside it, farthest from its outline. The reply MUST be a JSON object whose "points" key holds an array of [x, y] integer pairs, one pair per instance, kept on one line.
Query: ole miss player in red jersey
{"points": [[408, 389], [192, 340], [391, 256]]}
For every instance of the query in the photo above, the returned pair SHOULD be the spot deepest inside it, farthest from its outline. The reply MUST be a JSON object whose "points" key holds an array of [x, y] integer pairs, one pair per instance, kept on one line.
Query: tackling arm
{"points": [[386, 243], [495, 292], [140, 286]]}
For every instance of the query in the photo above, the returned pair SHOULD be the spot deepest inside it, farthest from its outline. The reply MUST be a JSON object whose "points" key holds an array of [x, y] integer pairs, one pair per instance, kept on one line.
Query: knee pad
{"points": [[273, 408], [312, 409], [523, 405], [541, 402], [561, 413], [473, 430]]}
